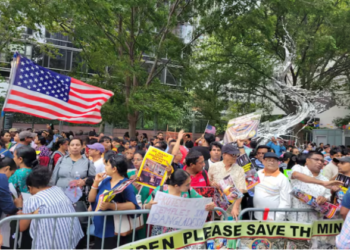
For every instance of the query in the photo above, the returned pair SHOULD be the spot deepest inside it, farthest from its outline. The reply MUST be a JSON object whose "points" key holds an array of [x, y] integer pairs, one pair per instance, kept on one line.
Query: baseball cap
{"points": [[13, 130], [97, 146], [26, 134], [271, 155], [342, 159], [230, 149]]}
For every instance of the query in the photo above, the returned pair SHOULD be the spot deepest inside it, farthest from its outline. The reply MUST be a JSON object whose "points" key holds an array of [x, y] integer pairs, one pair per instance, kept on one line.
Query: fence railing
{"points": [[286, 211], [90, 215]]}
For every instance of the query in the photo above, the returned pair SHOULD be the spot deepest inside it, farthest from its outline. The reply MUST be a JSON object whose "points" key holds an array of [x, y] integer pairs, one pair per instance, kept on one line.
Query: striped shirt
{"points": [[53, 201]]}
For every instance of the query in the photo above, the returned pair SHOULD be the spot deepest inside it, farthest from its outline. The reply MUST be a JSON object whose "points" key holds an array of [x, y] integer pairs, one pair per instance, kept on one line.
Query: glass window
{"points": [[58, 62]]}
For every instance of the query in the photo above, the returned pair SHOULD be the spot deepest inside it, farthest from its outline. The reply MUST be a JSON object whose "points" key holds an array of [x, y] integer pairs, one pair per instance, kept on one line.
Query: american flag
{"points": [[210, 129], [43, 93]]}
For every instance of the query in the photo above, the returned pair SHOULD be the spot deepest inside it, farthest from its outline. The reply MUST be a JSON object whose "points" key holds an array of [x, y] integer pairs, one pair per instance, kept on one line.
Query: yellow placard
{"points": [[152, 172]]}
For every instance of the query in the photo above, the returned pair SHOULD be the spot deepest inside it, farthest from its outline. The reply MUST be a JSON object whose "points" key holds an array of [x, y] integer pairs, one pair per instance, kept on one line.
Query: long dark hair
{"points": [[28, 155], [178, 177]]}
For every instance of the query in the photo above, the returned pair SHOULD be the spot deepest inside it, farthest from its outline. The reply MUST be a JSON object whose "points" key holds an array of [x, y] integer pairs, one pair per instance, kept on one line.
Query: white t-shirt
{"points": [[273, 191], [100, 166], [312, 189]]}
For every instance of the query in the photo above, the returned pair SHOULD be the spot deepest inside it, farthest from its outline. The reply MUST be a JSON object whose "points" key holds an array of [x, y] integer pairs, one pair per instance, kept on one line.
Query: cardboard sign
{"points": [[178, 212]]}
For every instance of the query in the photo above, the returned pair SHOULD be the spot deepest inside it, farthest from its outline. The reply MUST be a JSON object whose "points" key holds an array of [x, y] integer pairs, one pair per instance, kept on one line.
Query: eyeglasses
{"points": [[319, 160]]}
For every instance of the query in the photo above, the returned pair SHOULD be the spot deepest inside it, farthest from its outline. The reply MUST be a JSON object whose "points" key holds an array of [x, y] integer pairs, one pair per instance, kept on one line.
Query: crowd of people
{"points": [[44, 165]]}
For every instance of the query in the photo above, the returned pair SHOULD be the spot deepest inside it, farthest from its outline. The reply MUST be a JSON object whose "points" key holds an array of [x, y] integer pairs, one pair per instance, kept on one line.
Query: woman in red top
{"points": [[61, 147]]}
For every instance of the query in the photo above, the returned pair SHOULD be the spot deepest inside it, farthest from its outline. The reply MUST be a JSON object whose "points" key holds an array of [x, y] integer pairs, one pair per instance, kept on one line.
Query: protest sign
{"points": [[337, 197], [152, 172], [212, 192], [224, 235], [107, 196], [242, 128], [251, 175], [327, 209], [229, 190], [178, 212]]}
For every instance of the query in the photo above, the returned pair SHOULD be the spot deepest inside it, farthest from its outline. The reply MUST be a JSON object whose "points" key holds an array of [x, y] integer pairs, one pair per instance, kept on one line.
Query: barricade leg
{"points": [[16, 234], [104, 232], [36, 232], [120, 228], [53, 234], [134, 228], [88, 233], [71, 232]]}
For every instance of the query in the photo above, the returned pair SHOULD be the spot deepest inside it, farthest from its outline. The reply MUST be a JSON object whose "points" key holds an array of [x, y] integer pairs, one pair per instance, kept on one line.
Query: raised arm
{"points": [[177, 144]]}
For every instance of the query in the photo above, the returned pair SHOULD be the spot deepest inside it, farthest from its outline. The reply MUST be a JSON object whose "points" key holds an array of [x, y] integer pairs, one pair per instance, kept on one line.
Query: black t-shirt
{"points": [[204, 150]]}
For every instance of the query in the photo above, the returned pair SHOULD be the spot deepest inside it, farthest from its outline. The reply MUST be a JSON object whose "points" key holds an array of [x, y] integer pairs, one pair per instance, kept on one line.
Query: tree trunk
{"points": [[102, 127], [132, 118]]}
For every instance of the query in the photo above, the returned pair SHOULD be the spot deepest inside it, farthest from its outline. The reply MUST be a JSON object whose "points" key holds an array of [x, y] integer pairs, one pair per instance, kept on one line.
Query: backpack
{"points": [[51, 163], [205, 177]]}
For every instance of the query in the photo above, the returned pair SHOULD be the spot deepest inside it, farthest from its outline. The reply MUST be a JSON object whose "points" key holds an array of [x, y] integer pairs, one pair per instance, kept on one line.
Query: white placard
{"points": [[177, 212]]}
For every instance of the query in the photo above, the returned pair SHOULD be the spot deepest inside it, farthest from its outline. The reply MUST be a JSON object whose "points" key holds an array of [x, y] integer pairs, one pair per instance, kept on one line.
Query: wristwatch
{"points": [[20, 208], [240, 147]]}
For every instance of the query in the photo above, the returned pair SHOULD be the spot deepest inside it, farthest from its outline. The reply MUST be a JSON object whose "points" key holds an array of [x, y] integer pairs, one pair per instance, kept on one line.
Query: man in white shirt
{"points": [[331, 169], [310, 180], [215, 154], [274, 188], [95, 153]]}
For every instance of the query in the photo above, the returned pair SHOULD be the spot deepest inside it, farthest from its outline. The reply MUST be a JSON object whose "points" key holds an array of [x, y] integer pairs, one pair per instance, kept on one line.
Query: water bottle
{"points": [[139, 201], [77, 176]]}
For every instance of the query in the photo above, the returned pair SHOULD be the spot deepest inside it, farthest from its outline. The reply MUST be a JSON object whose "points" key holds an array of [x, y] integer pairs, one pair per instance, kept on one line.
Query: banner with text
{"points": [[247, 235]]}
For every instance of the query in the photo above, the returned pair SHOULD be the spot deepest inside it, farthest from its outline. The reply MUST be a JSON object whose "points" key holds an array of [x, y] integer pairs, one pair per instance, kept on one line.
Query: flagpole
{"points": [[11, 81], [206, 127]]}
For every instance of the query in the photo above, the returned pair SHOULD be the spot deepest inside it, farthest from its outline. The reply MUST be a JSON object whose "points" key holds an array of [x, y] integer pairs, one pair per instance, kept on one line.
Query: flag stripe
{"points": [[55, 110], [89, 96], [89, 91], [30, 95], [20, 109], [75, 100], [82, 85]]}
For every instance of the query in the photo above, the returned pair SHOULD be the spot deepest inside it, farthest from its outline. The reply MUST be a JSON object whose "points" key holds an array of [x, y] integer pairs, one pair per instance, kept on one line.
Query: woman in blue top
{"points": [[116, 170], [25, 158]]}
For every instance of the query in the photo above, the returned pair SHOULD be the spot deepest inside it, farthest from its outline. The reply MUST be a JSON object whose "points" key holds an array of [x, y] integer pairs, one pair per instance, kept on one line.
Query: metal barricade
{"points": [[38, 217], [276, 210]]}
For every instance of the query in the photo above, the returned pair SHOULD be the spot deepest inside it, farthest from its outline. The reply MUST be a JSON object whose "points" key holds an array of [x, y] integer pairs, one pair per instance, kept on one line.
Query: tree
{"points": [[250, 45]]}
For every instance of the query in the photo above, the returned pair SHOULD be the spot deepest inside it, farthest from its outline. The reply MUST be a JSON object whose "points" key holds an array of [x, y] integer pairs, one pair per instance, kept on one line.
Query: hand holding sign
{"points": [[210, 207]]}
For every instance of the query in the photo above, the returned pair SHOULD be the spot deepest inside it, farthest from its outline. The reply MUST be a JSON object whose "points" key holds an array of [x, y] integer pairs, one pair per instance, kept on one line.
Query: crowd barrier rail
{"points": [[90, 215], [276, 210]]}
